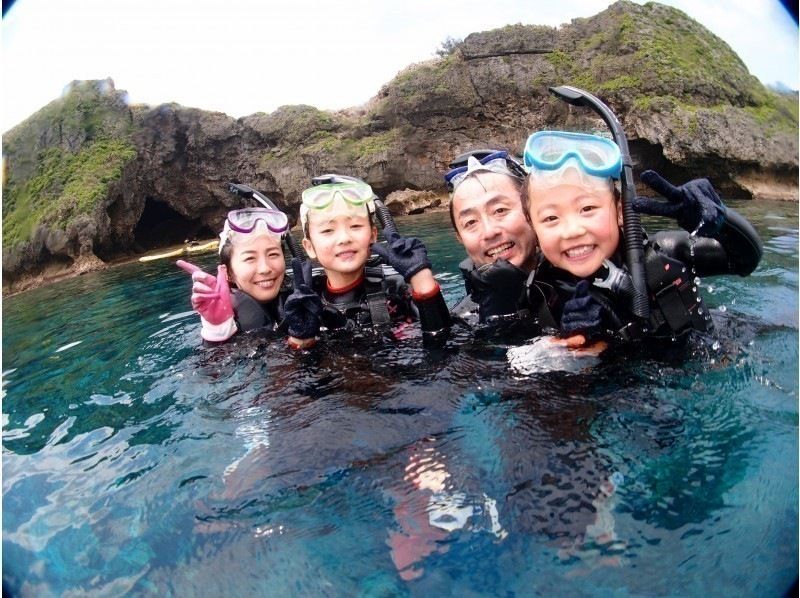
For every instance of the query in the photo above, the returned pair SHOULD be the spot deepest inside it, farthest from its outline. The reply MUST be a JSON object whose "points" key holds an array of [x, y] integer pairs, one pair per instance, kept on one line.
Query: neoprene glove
{"points": [[695, 205], [496, 288], [303, 308], [582, 312], [211, 298], [407, 255]]}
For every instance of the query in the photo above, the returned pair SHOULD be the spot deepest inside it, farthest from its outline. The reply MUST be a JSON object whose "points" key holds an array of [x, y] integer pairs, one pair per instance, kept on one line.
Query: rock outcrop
{"points": [[90, 178]]}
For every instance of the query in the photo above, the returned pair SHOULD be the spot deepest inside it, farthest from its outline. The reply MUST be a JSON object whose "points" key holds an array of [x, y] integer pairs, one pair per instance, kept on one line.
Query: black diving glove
{"points": [[695, 205], [407, 255], [303, 307], [581, 313], [496, 288]]}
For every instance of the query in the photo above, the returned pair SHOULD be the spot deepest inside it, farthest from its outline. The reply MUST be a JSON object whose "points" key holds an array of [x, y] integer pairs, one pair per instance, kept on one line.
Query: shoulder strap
{"points": [[374, 277]]}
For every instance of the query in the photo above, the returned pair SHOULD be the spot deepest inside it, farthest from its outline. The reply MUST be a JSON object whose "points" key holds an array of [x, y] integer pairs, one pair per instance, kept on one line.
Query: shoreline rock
{"points": [[90, 174]]}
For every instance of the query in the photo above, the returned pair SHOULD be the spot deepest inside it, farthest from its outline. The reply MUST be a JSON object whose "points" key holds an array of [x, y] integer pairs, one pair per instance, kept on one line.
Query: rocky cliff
{"points": [[90, 178]]}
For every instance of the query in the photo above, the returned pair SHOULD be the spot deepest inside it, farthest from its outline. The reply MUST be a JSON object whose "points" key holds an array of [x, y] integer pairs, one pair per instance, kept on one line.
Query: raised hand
{"points": [[407, 255], [303, 308], [497, 288], [695, 205], [211, 298]]}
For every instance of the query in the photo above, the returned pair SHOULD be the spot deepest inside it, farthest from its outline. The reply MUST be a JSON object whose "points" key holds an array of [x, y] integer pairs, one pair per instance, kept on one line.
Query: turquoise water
{"points": [[134, 460]]}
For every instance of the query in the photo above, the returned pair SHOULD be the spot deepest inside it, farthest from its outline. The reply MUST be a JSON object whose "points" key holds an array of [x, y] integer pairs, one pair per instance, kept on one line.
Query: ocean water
{"points": [[135, 461]]}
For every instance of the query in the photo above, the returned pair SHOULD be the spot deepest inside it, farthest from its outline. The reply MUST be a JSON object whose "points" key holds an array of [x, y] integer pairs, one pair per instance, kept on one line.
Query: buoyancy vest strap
{"points": [[538, 302], [675, 292], [376, 295]]}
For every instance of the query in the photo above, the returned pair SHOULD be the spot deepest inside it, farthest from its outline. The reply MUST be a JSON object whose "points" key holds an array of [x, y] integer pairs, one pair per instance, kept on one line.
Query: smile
{"points": [[265, 284], [576, 253], [495, 251]]}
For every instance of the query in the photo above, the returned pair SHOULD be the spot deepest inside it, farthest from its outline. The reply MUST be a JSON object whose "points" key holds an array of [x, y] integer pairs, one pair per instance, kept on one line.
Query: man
{"points": [[489, 220]]}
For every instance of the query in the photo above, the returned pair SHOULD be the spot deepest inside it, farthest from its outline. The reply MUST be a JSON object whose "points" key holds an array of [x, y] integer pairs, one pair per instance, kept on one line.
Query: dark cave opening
{"points": [[161, 226]]}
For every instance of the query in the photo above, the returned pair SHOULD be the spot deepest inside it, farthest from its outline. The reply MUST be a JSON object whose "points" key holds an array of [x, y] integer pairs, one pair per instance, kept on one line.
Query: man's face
{"points": [[490, 222]]}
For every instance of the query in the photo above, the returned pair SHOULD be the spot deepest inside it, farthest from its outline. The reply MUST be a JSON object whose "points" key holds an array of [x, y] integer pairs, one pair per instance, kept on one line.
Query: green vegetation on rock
{"points": [[345, 149], [61, 161], [64, 186], [630, 51]]}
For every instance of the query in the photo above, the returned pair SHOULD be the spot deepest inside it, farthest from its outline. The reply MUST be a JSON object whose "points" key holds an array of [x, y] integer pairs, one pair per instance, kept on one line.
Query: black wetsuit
{"points": [[673, 259], [381, 297], [252, 315]]}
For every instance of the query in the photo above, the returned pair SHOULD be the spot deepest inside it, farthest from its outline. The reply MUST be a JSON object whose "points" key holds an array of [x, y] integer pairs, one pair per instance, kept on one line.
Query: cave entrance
{"points": [[160, 226]]}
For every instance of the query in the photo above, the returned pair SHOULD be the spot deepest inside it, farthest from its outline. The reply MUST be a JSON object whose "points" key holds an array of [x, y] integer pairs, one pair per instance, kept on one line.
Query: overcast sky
{"points": [[246, 56]]}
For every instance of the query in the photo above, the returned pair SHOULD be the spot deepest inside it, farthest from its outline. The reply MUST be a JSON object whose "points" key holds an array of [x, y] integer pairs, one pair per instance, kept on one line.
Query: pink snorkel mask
{"points": [[253, 221]]}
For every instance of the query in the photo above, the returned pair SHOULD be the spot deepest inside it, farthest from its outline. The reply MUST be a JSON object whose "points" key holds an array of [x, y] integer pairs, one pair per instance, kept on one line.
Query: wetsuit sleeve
{"points": [[465, 311], [434, 317], [735, 249]]}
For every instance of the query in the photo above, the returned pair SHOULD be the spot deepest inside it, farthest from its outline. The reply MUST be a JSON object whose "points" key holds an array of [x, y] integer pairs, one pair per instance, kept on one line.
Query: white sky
{"points": [[246, 56]]}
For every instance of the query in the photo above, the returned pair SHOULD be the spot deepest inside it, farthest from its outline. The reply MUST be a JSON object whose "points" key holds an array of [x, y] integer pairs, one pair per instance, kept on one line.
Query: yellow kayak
{"points": [[188, 249]]}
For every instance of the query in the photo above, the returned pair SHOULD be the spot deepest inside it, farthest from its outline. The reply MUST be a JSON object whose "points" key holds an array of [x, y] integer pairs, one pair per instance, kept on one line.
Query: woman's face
{"points": [[490, 221], [257, 267]]}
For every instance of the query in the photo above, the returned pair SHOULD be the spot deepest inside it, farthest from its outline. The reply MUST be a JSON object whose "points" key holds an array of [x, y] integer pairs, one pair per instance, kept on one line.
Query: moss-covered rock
{"points": [[60, 165], [64, 186], [89, 174]]}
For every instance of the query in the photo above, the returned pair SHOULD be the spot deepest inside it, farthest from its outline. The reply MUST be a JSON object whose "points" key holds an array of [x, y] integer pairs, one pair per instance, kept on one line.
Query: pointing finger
{"points": [[660, 185], [187, 267]]}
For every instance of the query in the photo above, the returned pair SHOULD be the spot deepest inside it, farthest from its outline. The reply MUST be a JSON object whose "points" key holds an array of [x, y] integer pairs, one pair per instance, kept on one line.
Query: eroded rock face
{"points": [[409, 201], [685, 119]]}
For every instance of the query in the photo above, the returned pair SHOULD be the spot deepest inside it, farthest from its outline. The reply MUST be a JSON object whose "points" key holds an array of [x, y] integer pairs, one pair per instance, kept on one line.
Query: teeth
{"points": [[499, 249], [577, 252]]}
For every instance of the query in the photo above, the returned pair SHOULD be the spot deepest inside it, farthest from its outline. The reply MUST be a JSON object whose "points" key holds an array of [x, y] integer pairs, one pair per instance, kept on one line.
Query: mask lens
{"points": [[550, 150], [496, 162], [592, 157], [321, 196], [245, 221]]}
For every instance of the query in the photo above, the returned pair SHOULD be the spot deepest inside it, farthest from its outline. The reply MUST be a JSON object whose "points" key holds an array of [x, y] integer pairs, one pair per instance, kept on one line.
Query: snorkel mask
{"points": [[266, 220], [495, 161], [632, 226], [252, 222], [343, 195], [560, 157]]}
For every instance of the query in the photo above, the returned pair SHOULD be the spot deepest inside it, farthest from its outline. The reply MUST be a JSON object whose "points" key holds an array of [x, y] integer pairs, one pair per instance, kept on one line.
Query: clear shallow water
{"points": [[136, 461]]}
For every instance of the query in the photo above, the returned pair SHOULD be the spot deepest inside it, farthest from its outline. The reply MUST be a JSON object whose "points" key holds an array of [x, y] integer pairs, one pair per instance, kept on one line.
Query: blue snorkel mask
{"points": [[552, 150], [482, 160], [553, 157]]}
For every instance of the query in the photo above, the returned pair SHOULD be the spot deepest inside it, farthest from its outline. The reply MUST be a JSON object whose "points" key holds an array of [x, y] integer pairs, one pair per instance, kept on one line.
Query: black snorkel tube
{"points": [[249, 193], [631, 223]]}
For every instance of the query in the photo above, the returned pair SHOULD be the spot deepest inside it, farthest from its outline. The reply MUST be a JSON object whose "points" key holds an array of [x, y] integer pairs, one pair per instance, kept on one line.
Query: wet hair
{"points": [[225, 258], [520, 184]]}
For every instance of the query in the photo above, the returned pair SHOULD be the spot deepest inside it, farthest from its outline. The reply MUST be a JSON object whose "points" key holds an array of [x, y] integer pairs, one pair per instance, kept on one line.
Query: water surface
{"points": [[135, 460]]}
